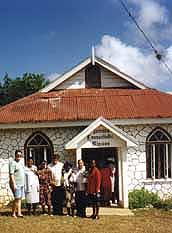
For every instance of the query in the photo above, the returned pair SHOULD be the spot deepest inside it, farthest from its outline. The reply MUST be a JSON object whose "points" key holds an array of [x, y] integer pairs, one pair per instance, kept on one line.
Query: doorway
{"points": [[104, 157]]}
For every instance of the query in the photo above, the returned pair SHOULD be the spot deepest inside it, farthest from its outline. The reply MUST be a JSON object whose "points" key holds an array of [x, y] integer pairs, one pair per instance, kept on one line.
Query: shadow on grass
{"points": [[5, 212]]}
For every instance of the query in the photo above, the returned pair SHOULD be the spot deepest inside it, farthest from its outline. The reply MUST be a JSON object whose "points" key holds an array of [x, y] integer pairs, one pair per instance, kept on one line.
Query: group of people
{"points": [[54, 186]]}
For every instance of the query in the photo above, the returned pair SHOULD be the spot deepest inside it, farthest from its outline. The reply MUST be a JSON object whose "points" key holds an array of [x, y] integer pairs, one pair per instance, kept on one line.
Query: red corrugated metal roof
{"points": [[88, 104]]}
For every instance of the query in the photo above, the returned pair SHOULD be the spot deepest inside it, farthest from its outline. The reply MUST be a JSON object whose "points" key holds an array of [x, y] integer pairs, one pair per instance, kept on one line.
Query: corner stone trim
{"points": [[5, 191]]}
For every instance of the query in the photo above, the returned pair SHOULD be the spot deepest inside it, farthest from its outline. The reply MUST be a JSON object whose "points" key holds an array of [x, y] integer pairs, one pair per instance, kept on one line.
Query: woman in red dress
{"points": [[106, 185], [93, 189]]}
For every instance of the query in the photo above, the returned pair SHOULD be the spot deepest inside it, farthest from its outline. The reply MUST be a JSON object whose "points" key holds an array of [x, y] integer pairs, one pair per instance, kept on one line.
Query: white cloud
{"points": [[131, 60], [152, 13], [153, 18]]}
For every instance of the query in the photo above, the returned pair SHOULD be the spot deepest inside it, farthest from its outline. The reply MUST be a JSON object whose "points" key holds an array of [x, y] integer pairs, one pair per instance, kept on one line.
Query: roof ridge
{"points": [[114, 91]]}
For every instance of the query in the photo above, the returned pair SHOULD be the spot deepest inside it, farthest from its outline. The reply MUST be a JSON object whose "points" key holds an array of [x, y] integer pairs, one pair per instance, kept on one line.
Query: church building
{"points": [[94, 111]]}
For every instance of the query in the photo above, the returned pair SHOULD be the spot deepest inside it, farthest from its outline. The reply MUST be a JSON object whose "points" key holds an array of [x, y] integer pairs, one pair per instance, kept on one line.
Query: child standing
{"points": [[69, 189]]}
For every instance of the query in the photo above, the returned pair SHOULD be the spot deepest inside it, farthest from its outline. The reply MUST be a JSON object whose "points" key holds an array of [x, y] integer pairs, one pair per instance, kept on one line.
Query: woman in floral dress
{"points": [[45, 178]]}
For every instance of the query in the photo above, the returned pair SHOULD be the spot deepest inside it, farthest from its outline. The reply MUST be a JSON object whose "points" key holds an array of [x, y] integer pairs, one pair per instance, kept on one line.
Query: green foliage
{"points": [[165, 204], [141, 198], [13, 89]]}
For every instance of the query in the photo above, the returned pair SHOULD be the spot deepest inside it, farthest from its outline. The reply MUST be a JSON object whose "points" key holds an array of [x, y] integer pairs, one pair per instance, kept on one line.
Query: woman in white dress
{"points": [[31, 186]]}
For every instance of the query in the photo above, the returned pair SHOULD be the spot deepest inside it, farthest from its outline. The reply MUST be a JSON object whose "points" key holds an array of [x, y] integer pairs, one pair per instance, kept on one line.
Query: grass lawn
{"points": [[143, 221]]}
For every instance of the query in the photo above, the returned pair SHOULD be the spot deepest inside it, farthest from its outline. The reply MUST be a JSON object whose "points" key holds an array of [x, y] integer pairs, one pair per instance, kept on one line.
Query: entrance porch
{"points": [[102, 141]]}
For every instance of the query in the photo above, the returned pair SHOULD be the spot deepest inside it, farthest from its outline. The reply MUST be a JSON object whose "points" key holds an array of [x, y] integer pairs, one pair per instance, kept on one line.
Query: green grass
{"points": [[150, 221]]}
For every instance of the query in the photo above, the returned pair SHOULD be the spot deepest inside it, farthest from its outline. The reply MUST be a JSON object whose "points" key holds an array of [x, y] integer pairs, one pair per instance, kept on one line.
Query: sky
{"points": [[52, 36]]}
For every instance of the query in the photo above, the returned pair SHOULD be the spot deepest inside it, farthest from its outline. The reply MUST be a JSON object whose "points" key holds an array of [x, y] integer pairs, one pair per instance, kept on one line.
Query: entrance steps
{"points": [[111, 211]]}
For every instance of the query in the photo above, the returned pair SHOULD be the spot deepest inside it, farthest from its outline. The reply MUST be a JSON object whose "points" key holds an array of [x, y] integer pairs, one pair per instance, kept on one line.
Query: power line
{"points": [[138, 26], [157, 54], [167, 67]]}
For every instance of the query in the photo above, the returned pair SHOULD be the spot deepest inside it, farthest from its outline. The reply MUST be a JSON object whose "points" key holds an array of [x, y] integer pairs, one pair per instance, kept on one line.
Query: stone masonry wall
{"points": [[13, 139], [10, 140], [136, 159], [5, 191]]}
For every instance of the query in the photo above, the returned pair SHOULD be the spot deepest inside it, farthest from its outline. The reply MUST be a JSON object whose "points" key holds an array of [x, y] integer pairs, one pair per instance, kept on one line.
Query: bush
{"points": [[165, 204], [141, 198]]}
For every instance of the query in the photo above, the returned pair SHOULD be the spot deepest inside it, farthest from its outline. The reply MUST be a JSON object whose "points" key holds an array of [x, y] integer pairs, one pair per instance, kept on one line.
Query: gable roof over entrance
{"points": [[85, 63], [73, 144]]}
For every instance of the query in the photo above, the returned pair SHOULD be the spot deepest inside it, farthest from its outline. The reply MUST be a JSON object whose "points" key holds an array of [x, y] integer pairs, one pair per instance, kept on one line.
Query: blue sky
{"points": [[52, 36]]}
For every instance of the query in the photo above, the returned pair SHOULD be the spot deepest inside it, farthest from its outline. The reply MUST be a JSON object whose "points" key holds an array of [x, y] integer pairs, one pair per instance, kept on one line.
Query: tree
{"points": [[13, 89]]}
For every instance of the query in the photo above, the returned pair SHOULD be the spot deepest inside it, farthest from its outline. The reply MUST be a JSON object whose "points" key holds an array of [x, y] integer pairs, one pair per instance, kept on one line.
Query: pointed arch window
{"points": [[39, 148], [159, 154]]}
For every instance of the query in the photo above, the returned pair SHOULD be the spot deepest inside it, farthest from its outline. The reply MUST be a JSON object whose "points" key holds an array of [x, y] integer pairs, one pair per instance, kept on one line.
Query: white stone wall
{"points": [[136, 160], [5, 191], [11, 140]]}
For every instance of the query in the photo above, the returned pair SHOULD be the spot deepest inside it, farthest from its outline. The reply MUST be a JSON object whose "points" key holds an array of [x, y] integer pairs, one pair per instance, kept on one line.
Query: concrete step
{"points": [[111, 211]]}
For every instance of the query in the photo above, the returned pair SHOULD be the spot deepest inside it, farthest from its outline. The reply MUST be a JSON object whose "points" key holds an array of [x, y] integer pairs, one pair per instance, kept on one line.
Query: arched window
{"points": [[158, 154], [39, 148]]}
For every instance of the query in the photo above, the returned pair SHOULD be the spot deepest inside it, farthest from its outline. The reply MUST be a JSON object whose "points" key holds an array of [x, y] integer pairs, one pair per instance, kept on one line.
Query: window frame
{"points": [[28, 149], [154, 164]]}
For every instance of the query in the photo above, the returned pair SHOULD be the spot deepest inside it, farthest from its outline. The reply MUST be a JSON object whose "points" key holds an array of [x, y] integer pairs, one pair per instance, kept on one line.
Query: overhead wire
{"points": [[158, 55]]}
